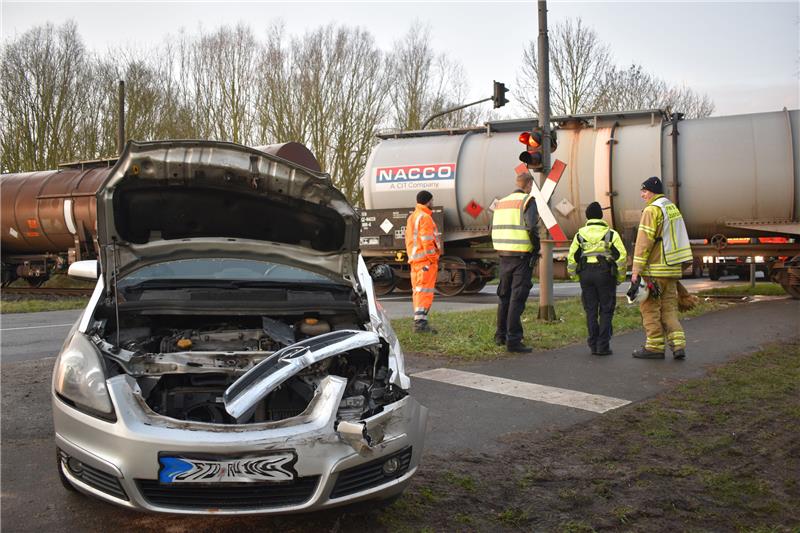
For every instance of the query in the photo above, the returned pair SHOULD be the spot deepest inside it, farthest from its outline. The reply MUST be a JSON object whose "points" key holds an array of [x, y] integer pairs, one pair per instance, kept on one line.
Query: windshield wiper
{"points": [[286, 284], [180, 284]]}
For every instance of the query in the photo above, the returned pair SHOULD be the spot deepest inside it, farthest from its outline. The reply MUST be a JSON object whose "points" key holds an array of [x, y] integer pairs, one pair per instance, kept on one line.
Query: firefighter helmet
{"points": [[638, 292]]}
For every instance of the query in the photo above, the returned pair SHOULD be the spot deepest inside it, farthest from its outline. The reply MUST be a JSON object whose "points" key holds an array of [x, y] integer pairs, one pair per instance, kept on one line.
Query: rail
{"points": [[45, 291]]}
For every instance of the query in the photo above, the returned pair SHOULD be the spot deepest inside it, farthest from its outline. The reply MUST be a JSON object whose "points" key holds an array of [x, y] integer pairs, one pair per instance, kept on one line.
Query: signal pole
{"points": [[120, 117], [546, 309]]}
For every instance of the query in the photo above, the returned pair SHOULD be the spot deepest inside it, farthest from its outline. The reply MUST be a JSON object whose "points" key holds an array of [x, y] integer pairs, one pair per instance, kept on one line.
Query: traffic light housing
{"points": [[499, 94], [532, 156]]}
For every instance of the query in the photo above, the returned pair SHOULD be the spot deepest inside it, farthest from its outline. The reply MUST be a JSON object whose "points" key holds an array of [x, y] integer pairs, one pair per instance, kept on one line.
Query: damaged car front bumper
{"points": [[307, 462]]}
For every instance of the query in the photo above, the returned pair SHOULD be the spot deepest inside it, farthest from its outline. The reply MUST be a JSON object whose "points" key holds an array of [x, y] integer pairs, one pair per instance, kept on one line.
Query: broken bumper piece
{"points": [[244, 394]]}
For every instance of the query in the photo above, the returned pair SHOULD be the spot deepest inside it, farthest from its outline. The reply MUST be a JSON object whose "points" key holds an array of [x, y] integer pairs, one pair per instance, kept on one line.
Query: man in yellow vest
{"points": [[515, 237], [662, 245], [423, 246], [598, 258]]}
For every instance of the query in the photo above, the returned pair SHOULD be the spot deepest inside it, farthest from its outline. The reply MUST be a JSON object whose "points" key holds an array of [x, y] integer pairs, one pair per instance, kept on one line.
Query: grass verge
{"points": [[762, 288], [718, 453], [34, 306], [469, 335]]}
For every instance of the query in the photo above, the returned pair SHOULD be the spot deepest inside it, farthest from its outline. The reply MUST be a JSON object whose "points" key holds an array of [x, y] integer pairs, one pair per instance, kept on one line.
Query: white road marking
{"points": [[38, 327], [521, 389]]}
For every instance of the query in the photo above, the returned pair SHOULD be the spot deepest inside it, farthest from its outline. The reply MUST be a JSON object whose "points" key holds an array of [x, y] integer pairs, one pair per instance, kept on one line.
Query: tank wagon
{"points": [[731, 176], [49, 219]]}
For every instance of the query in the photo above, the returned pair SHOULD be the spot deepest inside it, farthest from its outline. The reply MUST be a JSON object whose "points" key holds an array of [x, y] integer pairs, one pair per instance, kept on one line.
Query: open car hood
{"points": [[170, 200]]}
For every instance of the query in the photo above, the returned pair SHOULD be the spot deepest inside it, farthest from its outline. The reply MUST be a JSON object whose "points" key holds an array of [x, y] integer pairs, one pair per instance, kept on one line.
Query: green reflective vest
{"points": [[509, 232]]}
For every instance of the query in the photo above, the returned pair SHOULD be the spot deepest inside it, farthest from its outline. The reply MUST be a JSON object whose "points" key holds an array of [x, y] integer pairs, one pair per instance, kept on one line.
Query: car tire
{"points": [[64, 481]]}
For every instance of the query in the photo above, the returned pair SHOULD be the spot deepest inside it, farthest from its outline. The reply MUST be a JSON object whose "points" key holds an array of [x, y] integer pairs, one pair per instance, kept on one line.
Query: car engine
{"points": [[183, 372]]}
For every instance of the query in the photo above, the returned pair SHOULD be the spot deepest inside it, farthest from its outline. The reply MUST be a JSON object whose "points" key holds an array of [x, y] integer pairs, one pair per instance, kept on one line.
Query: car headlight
{"points": [[79, 378]]}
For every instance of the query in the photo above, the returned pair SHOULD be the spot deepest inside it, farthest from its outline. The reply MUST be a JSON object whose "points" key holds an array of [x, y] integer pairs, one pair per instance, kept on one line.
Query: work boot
{"points": [[680, 353], [602, 351], [500, 341], [518, 347], [644, 353], [422, 326]]}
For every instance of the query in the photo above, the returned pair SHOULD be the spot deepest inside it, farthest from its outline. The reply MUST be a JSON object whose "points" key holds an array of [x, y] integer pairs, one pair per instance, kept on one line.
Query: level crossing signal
{"points": [[532, 156], [499, 94]]}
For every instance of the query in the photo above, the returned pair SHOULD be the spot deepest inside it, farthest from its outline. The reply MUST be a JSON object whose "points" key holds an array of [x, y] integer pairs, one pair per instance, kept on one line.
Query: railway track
{"points": [[42, 291]]}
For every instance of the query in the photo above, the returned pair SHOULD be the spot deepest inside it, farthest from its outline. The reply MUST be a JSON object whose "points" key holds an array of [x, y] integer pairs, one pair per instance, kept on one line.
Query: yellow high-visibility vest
{"points": [[674, 237], [509, 232]]}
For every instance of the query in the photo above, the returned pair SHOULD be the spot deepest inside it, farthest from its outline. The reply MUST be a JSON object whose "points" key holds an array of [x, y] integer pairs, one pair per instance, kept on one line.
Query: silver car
{"points": [[232, 358]]}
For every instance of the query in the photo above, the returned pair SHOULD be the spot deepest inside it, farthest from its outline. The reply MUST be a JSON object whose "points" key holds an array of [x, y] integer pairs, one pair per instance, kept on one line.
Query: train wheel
{"points": [[402, 284], [383, 278], [476, 283], [452, 278]]}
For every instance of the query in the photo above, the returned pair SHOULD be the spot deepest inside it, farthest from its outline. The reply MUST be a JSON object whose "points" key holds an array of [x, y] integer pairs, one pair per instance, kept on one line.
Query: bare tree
{"points": [[221, 68], [327, 89], [42, 81], [579, 66], [280, 111], [425, 83], [686, 101], [584, 79]]}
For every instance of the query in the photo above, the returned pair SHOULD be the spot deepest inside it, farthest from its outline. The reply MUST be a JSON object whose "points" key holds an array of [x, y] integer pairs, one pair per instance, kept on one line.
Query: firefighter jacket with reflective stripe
{"points": [[423, 240], [661, 229], [593, 243], [514, 224]]}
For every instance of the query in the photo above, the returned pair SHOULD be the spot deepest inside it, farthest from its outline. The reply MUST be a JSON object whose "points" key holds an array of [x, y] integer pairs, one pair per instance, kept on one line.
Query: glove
{"points": [[634, 289]]}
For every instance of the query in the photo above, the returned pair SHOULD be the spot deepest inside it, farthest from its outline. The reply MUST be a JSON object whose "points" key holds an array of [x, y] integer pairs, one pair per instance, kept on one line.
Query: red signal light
{"points": [[532, 139]]}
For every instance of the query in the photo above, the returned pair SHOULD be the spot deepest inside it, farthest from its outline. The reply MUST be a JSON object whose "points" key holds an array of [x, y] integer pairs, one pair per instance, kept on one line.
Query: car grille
{"points": [[96, 479], [368, 475], [228, 495]]}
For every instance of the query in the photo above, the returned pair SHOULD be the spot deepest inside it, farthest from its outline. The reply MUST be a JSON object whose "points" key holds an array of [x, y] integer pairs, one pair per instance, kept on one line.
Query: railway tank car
{"points": [[731, 176]]}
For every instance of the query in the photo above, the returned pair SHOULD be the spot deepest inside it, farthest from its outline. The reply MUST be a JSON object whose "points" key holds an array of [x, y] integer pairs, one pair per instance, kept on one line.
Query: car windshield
{"points": [[221, 269]]}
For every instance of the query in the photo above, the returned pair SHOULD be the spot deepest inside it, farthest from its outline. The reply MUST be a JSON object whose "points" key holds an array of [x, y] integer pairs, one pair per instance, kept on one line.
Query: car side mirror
{"points": [[85, 270]]}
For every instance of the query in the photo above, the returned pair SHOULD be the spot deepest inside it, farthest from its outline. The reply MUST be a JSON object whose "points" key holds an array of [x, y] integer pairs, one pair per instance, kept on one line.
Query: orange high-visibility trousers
{"points": [[423, 279]]}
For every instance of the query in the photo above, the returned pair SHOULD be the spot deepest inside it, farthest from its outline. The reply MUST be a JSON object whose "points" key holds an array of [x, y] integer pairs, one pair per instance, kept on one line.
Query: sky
{"points": [[744, 55]]}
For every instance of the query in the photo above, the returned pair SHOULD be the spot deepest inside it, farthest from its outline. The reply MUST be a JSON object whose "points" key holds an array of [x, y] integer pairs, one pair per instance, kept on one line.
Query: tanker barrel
{"points": [[44, 212], [737, 175]]}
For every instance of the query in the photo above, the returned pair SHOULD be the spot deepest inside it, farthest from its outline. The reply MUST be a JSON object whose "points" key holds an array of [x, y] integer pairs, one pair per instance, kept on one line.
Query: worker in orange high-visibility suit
{"points": [[423, 246]]}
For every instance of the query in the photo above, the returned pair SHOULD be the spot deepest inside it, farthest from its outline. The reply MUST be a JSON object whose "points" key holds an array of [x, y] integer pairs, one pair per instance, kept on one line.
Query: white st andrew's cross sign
{"points": [[543, 196]]}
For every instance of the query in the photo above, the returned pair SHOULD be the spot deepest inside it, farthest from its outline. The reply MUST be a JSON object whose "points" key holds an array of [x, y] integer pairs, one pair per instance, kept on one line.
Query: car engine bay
{"points": [[184, 364]]}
